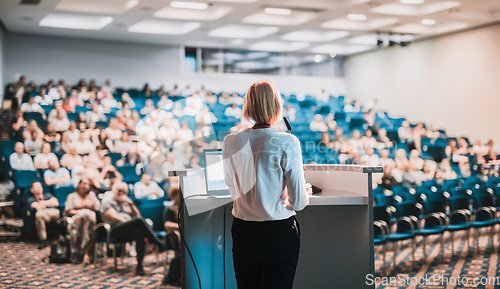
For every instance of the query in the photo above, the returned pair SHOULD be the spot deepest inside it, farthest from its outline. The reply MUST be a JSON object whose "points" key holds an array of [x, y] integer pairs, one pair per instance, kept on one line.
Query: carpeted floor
{"points": [[22, 266], [466, 264]]}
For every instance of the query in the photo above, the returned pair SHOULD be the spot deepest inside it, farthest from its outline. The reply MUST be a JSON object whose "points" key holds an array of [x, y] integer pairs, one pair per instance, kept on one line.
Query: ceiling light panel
{"points": [[370, 24], [397, 8], [242, 31], [296, 18], [314, 35], [163, 27], [114, 7], [428, 21], [189, 5], [210, 14], [427, 29], [357, 17], [278, 11], [412, 1], [341, 49], [278, 46], [69, 21]]}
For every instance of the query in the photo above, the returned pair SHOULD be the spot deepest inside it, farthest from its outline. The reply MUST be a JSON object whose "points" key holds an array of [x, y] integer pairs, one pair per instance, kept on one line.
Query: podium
{"points": [[336, 248]]}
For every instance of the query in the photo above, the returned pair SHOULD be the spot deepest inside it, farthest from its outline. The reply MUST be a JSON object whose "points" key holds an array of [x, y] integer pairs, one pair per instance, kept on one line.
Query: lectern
{"points": [[336, 248]]}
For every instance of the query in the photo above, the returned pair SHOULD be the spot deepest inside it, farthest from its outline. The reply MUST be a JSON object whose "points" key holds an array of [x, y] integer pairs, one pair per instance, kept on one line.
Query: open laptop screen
{"points": [[214, 172]]}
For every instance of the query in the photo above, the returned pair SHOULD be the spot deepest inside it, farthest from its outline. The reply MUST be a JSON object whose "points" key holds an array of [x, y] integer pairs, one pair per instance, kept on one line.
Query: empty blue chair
{"points": [[129, 174], [61, 193]]}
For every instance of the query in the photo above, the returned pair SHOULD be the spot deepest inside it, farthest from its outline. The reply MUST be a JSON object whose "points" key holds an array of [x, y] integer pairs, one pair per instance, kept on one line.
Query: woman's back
{"points": [[258, 164]]}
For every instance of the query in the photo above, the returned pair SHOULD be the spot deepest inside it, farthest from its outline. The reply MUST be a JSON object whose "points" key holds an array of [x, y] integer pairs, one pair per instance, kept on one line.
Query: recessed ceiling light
{"points": [[163, 27], [278, 11], [412, 1], [70, 21], [242, 31], [428, 21], [317, 58], [189, 5], [332, 55], [358, 17]]}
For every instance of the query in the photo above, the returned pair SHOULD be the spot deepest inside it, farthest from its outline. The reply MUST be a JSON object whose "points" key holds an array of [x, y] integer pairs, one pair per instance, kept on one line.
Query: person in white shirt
{"points": [[73, 132], [185, 134], [61, 123], [112, 130], [147, 188], [96, 114], [370, 158], [210, 98], [233, 110], [43, 98], [318, 124], [84, 145], [19, 160], [264, 200], [289, 113], [71, 159], [42, 158], [224, 99], [32, 106], [107, 87], [236, 99], [323, 96], [205, 117], [189, 91]]}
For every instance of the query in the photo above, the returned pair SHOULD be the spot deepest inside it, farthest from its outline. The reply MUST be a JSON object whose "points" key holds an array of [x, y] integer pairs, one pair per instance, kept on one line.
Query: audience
{"points": [[45, 205], [80, 206], [147, 188], [43, 158], [55, 175], [126, 223], [318, 124], [20, 160]]}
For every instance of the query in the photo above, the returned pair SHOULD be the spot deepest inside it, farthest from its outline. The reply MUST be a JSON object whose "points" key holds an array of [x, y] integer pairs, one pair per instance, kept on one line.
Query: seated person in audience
{"points": [[369, 118], [173, 236], [81, 117], [127, 112], [109, 171], [84, 145], [412, 177], [19, 160], [325, 140], [430, 170], [383, 140], [210, 98], [370, 158], [171, 164], [432, 133], [323, 96], [445, 171], [86, 170], [236, 99], [185, 134], [194, 162], [85, 95], [147, 188], [479, 148], [56, 176], [42, 158], [183, 152], [127, 148], [61, 123], [96, 114], [121, 121], [224, 99], [463, 147], [177, 111], [67, 107], [46, 210], [289, 112], [175, 91], [385, 159], [102, 140], [233, 111], [368, 140], [33, 142], [112, 131], [405, 134], [63, 146], [416, 160], [71, 159], [43, 98], [355, 140], [190, 108], [205, 117], [125, 98], [318, 124], [73, 100], [109, 102], [32, 106], [330, 121], [18, 126], [73, 132], [51, 135], [388, 181], [165, 103], [148, 108], [126, 222], [58, 109], [81, 206]]}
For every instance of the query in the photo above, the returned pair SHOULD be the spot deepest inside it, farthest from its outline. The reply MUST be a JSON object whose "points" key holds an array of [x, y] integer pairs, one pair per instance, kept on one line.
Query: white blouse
{"points": [[258, 165]]}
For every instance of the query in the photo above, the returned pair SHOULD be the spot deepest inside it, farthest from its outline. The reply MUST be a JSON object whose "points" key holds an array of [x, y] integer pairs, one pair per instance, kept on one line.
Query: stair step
{"points": [[9, 234], [12, 222]]}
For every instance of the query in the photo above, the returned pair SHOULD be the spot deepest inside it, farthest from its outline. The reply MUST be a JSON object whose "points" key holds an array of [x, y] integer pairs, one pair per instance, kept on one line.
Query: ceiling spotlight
{"points": [[278, 11], [380, 42], [358, 17], [189, 5], [332, 55], [317, 58], [412, 1], [428, 21]]}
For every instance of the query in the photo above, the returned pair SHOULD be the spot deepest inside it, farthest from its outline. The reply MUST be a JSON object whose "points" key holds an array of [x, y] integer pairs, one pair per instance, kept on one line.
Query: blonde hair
{"points": [[262, 103]]}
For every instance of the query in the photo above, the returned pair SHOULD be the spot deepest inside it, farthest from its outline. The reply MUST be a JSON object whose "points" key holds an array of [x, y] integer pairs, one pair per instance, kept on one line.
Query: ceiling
{"points": [[312, 26]]}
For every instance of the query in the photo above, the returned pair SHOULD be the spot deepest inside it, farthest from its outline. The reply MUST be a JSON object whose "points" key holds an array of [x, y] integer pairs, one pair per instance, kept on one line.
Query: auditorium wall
{"points": [[130, 65], [452, 82], [2, 43]]}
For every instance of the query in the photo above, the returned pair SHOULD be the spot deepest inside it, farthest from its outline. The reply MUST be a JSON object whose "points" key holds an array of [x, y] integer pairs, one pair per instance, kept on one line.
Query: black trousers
{"points": [[135, 230], [265, 254]]}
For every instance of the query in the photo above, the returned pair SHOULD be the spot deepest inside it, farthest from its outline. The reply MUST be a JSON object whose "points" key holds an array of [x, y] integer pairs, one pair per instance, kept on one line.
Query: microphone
{"points": [[315, 189], [288, 126]]}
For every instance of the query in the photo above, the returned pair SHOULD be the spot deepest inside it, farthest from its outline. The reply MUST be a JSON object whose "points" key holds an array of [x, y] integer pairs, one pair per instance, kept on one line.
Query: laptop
{"points": [[214, 172]]}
